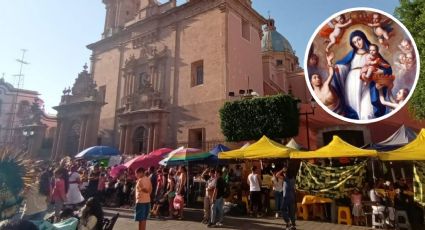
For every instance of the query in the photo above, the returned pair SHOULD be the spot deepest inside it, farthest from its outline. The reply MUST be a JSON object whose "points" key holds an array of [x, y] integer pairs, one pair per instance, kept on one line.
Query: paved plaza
{"points": [[193, 219]]}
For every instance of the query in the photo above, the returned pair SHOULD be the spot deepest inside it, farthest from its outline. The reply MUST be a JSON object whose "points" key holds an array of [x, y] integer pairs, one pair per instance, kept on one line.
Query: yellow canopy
{"points": [[233, 154], [262, 149], [336, 148], [414, 150]]}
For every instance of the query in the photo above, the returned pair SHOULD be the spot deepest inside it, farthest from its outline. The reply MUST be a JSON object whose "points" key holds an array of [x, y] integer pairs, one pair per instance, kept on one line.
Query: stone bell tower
{"points": [[78, 117]]}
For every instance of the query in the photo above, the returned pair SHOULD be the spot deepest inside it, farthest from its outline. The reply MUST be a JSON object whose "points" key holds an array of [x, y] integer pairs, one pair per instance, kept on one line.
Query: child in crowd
{"points": [[356, 201]]}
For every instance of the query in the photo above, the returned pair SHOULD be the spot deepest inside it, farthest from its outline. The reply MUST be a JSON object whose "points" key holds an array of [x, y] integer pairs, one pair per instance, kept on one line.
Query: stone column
{"points": [[125, 85], [152, 75], [132, 81], [55, 140], [154, 136], [128, 138], [149, 139], [88, 133], [123, 133], [82, 133], [61, 134]]}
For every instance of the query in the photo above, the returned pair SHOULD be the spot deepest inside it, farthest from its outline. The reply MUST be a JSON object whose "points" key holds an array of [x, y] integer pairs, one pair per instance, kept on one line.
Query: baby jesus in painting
{"points": [[373, 62], [324, 90]]}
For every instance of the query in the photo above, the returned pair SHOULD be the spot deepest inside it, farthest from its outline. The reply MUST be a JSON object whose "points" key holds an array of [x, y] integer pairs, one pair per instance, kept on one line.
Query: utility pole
{"points": [[18, 86]]}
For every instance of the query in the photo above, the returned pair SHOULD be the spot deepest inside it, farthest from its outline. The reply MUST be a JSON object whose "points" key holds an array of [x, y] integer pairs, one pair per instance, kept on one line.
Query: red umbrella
{"points": [[160, 152], [145, 161]]}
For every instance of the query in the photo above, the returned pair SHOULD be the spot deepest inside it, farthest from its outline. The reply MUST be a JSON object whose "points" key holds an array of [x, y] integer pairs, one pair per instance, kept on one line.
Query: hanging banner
{"points": [[332, 182], [419, 182]]}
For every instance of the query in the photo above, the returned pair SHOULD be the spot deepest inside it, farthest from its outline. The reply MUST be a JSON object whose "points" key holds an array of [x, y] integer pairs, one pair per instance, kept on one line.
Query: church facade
{"points": [[163, 72]]}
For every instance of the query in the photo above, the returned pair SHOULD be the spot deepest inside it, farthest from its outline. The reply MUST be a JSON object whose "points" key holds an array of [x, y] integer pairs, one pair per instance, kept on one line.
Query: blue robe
{"points": [[345, 110]]}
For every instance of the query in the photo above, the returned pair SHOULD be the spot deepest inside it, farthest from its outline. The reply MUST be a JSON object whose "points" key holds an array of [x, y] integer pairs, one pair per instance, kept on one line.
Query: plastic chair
{"points": [[378, 219], [402, 220], [344, 215], [302, 211]]}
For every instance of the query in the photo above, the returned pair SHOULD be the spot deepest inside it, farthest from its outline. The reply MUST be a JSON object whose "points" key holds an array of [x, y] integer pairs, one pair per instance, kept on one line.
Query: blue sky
{"points": [[56, 32]]}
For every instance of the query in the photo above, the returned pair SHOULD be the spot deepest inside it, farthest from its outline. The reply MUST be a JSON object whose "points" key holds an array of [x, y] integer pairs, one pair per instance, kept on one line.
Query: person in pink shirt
{"points": [[143, 199], [58, 193], [356, 200]]}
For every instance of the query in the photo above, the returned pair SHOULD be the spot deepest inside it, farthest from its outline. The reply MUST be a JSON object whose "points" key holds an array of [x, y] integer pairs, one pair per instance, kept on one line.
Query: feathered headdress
{"points": [[14, 177]]}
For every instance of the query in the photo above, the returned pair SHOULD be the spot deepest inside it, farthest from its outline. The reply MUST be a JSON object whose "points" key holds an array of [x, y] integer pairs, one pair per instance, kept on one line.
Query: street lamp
{"points": [[306, 114], [28, 134]]}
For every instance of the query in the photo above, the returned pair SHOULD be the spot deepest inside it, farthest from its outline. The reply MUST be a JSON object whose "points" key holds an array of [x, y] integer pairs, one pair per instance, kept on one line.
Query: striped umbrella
{"points": [[183, 155]]}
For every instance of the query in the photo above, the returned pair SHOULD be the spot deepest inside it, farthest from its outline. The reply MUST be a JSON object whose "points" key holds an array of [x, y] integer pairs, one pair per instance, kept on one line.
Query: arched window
{"points": [[140, 140]]}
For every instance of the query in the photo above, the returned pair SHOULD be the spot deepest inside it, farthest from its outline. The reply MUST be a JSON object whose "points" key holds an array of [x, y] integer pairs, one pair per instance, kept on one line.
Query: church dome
{"points": [[273, 40]]}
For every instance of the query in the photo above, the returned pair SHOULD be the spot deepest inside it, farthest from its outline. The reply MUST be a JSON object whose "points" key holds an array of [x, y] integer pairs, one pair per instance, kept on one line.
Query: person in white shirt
{"points": [[379, 207], [211, 181], [74, 196], [254, 182], [278, 195]]}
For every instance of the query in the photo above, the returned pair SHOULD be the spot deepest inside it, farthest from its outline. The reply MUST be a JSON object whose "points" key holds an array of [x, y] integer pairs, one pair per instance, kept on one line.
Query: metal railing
{"points": [[204, 146]]}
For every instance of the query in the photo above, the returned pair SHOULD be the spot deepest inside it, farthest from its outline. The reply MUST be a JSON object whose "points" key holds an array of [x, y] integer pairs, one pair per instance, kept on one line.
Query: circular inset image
{"points": [[361, 65]]}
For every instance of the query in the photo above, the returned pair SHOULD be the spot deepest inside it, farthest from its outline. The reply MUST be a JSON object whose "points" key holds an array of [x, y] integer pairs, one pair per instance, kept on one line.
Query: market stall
{"points": [[264, 148], [325, 180], [413, 151]]}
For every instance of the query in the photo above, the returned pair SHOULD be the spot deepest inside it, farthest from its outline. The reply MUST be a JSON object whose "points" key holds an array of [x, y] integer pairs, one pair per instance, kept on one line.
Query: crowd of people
{"points": [[76, 191], [158, 192]]}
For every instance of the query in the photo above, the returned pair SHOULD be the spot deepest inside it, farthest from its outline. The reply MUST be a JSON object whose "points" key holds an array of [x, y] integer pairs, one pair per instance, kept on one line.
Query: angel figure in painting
{"points": [[373, 62], [324, 90], [394, 102], [381, 29], [406, 46], [400, 63], [334, 30]]}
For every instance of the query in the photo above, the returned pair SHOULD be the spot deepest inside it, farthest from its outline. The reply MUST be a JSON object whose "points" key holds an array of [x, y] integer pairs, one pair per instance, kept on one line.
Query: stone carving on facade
{"points": [[130, 63], [84, 85], [139, 40], [83, 89], [223, 7], [78, 116]]}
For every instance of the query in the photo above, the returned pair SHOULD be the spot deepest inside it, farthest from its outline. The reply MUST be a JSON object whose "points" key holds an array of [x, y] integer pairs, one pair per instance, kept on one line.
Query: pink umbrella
{"points": [[160, 152], [117, 171], [145, 161]]}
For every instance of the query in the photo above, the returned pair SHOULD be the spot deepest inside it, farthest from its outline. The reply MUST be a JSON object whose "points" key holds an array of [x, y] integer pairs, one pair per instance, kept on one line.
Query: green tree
{"points": [[412, 14], [249, 119]]}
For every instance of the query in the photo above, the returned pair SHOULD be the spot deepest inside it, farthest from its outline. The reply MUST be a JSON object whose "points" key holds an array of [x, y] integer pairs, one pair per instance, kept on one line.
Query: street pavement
{"points": [[193, 219]]}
